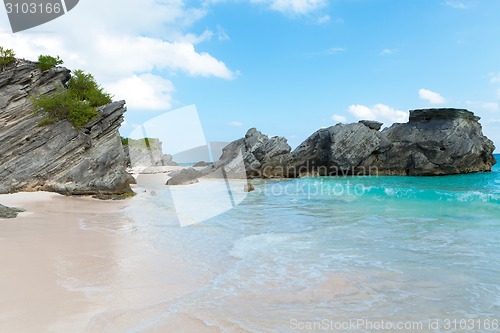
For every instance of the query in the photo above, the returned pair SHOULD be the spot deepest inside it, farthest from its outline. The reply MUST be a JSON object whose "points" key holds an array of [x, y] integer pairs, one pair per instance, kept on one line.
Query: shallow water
{"points": [[319, 254]]}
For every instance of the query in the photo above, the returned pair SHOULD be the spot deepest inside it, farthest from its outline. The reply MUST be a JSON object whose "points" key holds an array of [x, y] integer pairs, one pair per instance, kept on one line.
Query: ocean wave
{"points": [[433, 195]]}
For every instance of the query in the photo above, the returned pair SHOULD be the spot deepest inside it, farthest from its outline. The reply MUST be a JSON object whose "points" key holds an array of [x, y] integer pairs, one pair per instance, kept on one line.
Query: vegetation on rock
{"points": [[46, 62], [77, 103], [6, 57]]}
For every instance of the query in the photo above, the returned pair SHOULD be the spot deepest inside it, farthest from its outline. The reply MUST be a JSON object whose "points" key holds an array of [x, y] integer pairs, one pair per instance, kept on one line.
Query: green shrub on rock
{"points": [[46, 62], [78, 103], [6, 57], [84, 87]]}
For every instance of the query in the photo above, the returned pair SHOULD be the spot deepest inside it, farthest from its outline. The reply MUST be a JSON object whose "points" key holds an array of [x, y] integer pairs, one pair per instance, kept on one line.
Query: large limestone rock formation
{"points": [[56, 157], [337, 150], [433, 142]]}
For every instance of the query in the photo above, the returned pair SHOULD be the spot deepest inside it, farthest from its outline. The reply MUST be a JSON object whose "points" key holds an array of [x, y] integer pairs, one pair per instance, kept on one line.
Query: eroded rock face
{"points": [[433, 142], [250, 157], [9, 213], [56, 157], [436, 142], [375, 125], [337, 150], [143, 153], [259, 153], [184, 177]]}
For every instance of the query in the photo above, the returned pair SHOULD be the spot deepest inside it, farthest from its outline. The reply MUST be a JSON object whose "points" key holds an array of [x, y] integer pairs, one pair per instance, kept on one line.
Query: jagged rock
{"points": [[436, 142], [9, 213], [168, 160], [433, 142], [56, 157], [146, 152], [184, 177], [255, 155], [248, 187], [337, 150], [201, 164], [376, 125]]}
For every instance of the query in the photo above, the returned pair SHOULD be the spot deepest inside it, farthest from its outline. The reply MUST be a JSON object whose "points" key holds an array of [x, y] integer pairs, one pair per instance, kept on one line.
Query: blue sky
{"points": [[287, 67]]}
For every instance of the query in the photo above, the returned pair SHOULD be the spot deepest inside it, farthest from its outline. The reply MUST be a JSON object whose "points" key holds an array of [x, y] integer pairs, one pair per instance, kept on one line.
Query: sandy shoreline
{"points": [[74, 264]]}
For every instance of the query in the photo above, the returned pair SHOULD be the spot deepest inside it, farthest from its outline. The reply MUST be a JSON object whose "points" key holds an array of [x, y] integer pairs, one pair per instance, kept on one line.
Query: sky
{"points": [[286, 67]]}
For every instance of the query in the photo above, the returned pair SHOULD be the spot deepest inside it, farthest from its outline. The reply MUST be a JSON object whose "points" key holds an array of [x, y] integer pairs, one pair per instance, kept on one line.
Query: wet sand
{"points": [[73, 265]]}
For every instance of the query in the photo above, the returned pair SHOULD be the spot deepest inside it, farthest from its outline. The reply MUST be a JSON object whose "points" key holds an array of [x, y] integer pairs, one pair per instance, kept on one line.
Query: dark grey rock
{"points": [[255, 155], [184, 177], [168, 160], [56, 157], [433, 142], [436, 142], [376, 125], [249, 187], [9, 213], [337, 150], [203, 164]]}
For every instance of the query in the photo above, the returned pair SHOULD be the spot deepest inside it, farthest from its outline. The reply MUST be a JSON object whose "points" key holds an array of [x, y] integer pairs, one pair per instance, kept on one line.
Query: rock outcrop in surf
{"points": [[433, 142]]}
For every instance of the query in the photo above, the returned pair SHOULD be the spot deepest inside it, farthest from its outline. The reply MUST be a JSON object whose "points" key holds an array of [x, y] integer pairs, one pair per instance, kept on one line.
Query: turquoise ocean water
{"points": [[319, 254]]}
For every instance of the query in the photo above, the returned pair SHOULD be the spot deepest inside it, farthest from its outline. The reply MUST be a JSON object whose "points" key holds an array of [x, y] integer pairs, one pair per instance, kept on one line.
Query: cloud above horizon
{"points": [[495, 77], [235, 123], [338, 118], [456, 4], [431, 96], [294, 7], [378, 112], [483, 106], [113, 47]]}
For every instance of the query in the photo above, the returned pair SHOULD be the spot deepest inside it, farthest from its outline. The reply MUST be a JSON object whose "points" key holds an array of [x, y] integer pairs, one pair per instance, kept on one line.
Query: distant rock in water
{"points": [[184, 177], [146, 152], [202, 164], [433, 142], [248, 157], [168, 160], [56, 157], [257, 152]]}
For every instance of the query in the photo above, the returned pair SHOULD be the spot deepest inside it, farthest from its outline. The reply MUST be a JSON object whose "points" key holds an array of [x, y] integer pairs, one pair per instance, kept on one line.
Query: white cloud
{"points": [[295, 7], [148, 92], [222, 34], [339, 118], [235, 123], [456, 4], [328, 52], [334, 50], [119, 44], [486, 106], [379, 112], [498, 92], [385, 52], [495, 77], [323, 19], [431, 96]]}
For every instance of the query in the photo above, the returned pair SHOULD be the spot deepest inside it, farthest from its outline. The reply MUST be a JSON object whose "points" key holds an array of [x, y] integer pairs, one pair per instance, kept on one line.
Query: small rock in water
{"points": [[184, 177], [9, 213], [249, 187]]}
